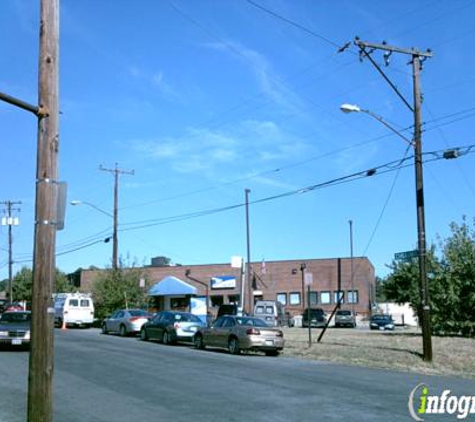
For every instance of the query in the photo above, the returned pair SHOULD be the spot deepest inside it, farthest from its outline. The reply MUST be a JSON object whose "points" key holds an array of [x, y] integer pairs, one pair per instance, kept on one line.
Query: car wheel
{"points": [[123, 331], [104, 329], [233, 346], [198, 341], [165, 337], [272, 353], [143, 334]]}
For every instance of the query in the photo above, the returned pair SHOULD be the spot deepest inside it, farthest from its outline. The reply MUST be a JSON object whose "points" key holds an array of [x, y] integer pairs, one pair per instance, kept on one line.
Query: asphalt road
{"points": [[113, 379]]}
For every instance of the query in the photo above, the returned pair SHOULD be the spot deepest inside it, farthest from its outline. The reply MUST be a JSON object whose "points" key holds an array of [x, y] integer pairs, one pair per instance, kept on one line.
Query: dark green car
{"points": [[315, 318]]}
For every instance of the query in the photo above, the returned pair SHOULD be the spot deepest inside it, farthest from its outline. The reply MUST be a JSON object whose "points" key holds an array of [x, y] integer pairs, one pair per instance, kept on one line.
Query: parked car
{"points": [[272, 312], [345, 318], [171, 326], [14, 306], [126, 321], [381, 322], [317, 318], [15, 328], [237, 333]]}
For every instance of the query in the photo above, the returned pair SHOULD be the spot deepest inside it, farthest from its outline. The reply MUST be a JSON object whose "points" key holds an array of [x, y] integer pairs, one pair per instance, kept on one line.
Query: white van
{"points": [[272, 312], [73, 309]]}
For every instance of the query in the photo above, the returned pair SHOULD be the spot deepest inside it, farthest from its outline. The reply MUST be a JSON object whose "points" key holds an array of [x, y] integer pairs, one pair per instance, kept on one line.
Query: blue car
{"points": [[381, 322]]}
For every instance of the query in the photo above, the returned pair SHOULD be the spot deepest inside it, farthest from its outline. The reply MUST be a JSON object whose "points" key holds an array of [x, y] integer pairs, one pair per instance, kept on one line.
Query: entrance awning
{"points": [[172, 286]]}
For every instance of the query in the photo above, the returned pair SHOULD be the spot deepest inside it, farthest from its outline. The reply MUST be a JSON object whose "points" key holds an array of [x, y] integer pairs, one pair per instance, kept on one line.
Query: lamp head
{"points": [[350, 108]]}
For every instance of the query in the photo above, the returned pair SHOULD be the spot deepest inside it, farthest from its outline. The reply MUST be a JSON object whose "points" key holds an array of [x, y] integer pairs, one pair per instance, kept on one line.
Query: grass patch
{"points": [[398, 350]]}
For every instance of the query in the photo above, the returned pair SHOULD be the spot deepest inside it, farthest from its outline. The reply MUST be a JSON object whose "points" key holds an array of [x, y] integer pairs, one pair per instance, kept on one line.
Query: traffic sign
{"points": [[406, 256], [308, 279]]}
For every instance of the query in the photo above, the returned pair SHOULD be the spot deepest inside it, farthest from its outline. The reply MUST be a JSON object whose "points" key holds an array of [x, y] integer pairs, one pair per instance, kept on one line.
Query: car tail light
{"points": [[177, 325], [135, 318], [279, 334], [253, 331]]}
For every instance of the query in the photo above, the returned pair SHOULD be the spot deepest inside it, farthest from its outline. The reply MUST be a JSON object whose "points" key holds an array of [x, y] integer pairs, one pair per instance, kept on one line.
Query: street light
{"points": [[417, 144], [352, 108], [115, 243], [79, 202]]}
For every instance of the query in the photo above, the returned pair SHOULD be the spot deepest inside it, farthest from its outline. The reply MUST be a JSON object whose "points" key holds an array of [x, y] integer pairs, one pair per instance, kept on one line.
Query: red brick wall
{"points": [[278, 277]]}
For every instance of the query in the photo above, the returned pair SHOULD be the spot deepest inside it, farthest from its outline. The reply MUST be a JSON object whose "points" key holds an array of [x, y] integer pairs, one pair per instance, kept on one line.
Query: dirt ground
{"points": [[400, 349]]}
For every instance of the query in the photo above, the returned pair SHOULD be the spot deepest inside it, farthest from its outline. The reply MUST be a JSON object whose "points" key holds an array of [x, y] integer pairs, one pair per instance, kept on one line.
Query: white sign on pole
{"points": [[308, 279], [236, 262]]}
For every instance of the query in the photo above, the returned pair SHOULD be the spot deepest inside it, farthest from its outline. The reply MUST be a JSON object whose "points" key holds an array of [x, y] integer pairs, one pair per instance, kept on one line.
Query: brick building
{"points": [[271, 280]]}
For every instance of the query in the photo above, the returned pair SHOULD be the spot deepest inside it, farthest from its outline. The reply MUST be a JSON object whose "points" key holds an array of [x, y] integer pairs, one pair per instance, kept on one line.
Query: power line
{"points": [[379, 170], [295, 24]]}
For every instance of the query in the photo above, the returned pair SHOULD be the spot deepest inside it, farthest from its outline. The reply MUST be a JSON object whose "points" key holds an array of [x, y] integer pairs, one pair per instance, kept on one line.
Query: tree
{"points": [[451, 279], [21, 285], [119, 288], [3, 285], [22, 282], [458, 280]]}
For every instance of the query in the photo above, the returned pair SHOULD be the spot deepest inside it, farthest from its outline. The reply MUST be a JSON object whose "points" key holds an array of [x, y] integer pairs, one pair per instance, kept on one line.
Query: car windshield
{"points": [[253, 322], [343, 313], [186, 318], [314, 311], [381, 318], [139, 312], [15, 317]]}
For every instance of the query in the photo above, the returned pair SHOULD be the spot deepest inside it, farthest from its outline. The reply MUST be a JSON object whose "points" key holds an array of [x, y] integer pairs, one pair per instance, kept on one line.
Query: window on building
{"points": [[338, 295], [352, 296], [233, 299], [179, 303], [313, 298], [325, 298], [216, 300], [294, 298], [282, 298]]}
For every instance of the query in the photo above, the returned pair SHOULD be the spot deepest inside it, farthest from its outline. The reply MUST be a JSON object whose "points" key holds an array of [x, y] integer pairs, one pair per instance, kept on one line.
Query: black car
{"points": [[317, 318], [381, 322]]}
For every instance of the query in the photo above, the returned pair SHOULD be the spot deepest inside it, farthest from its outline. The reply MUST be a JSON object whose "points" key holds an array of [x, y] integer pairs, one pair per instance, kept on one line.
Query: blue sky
{"points": [[205, 98]]}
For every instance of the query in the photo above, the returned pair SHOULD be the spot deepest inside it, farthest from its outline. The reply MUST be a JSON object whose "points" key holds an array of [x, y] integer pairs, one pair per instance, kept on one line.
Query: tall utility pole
{"points": [[248, 264], [40, 380], [352, 276], [417, 58], [10, 221], [115, 246]]}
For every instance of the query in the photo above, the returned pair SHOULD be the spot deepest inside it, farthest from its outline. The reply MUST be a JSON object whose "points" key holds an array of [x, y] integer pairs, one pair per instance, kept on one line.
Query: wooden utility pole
{"points": [[40, 379], [115, 241], [10, 221], [417, 57], [250, 296]]}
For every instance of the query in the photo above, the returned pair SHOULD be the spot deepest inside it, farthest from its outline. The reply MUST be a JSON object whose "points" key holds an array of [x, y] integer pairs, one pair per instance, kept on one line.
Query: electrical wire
{"points": [[396, 165], [295, 24], [427, 125], [381, 169]]}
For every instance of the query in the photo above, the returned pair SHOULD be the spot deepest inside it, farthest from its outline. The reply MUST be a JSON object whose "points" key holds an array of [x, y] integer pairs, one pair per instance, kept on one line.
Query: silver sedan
{"points": [[126, 321]]}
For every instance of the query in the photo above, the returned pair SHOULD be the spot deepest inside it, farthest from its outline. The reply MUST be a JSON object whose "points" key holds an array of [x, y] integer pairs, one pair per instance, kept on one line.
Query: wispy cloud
{"points": [[250, 144], [269, 82], [157, 81]]}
